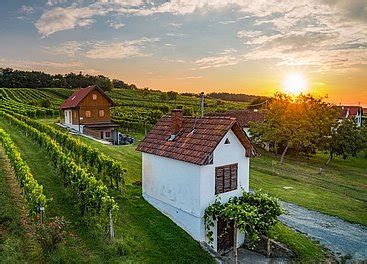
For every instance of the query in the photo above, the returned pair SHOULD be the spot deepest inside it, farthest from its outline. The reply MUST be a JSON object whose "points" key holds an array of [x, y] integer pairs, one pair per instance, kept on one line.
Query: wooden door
{"points": [[101, 133], [225, 236]]}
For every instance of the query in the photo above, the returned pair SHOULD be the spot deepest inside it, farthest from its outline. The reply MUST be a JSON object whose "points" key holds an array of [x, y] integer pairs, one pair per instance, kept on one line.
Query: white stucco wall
{"points": [[183, 191], [224, 154], [173, 187]]}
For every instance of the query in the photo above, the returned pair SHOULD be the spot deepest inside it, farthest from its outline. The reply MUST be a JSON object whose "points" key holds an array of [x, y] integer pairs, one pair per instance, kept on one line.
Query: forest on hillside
{"points": [[11, 78], [36, 79]]}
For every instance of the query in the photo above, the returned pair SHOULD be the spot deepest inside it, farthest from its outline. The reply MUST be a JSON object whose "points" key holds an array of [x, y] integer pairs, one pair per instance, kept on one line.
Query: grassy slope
{"points": [[143, 234], [339, 190], [307, 250]]}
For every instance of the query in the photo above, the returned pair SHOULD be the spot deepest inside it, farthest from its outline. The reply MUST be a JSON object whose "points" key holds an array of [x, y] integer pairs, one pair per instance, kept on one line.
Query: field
{"points": [[340, 189], [136, 110], [142, 233]]}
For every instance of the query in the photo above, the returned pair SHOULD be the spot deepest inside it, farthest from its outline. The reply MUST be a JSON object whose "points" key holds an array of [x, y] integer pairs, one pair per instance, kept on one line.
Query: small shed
{"points": [[188, 162]]}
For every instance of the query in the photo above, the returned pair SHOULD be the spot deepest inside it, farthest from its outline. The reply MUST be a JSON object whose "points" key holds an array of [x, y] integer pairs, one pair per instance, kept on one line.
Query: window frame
{"points": [[88, 113], [226, 185], [94, 96], [101, 111]]}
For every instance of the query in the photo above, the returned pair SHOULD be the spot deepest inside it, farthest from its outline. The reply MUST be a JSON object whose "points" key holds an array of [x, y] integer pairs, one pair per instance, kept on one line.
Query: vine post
{"points": [[235, 243], [112, 231], [42, 210]]}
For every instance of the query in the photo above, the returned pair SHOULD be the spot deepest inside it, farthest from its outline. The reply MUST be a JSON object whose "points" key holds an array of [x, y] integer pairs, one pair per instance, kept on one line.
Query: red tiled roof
{"points": [[74, 100], [243, 116], [353, 111], [194, 147]]}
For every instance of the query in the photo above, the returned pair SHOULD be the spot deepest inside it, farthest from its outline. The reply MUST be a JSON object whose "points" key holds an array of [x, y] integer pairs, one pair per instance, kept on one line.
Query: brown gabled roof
{"points": [[192, 145], [244, 117], [74, 100]]}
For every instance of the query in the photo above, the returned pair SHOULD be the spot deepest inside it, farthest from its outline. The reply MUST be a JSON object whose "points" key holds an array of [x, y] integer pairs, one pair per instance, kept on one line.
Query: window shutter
{"points": [[226, 178], [219, 180], [234, 171]]}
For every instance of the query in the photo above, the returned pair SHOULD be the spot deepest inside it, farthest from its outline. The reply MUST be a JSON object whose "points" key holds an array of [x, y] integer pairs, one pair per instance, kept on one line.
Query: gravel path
{"points": [[339, 236]]}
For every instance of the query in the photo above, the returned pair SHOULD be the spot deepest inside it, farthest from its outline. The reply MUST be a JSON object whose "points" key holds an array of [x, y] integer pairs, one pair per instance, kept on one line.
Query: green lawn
{"points": [[340, 189], [143, 233]]}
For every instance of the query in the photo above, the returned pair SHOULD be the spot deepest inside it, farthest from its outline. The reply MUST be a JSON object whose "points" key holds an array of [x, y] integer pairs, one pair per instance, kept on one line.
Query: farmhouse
{"points": [[188, 162], [87, 110], [353, 112]]}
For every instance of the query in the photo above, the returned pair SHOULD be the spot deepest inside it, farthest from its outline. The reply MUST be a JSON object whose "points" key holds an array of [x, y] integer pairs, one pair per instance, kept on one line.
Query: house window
{"points": [[94, 96], [101, 113], [87, 113], [108, 134], [226, 178], [227, 141]]}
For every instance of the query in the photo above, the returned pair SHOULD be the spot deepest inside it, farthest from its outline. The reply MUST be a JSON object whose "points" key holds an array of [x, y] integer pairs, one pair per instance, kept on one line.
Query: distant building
{"points": [[244, 117], [187, 162], [87, 110], [352, 112]]}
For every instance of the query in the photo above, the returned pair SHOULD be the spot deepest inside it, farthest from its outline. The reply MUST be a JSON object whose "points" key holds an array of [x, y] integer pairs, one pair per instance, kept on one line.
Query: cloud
{"points": [[227, 22], [190, 77], [216, 61], [119, 50], [69, 48], [59, 19], [174, 34], [29, 64], [176, 25], [249, 34], [116, 25], [26, 10], [64, 18]]}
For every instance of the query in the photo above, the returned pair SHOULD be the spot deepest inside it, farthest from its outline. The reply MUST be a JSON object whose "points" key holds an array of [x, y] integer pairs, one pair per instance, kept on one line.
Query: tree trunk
{"points": [[235, 244], [330, 158], [283, 154]]}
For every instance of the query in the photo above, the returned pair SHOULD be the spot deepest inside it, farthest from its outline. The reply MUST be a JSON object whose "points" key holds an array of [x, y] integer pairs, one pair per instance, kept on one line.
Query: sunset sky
{"points": [[243, 46]]}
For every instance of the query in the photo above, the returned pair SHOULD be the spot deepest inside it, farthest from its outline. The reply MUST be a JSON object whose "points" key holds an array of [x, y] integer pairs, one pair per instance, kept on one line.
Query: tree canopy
{"points": [[36, 79], [346, 139], [299, 123]]}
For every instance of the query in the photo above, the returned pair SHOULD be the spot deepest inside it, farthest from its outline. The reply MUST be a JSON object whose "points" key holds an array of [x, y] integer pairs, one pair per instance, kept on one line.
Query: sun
{"points": [[294, 83]]}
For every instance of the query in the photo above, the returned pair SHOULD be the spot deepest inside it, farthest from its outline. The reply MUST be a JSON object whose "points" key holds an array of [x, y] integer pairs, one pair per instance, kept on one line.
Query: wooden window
{"points": [[226, 178], [87, 113], [108, 134], [101, 113], [94, 96]]}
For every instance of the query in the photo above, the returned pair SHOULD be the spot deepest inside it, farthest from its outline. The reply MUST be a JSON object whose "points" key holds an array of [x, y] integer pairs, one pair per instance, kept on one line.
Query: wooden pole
{"points": [[235, 243]]}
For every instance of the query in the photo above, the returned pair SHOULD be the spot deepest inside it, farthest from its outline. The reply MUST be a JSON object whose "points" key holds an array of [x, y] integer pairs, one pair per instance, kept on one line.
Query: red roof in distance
{"points": [[353, 111], [244, 117], [74, 100]]}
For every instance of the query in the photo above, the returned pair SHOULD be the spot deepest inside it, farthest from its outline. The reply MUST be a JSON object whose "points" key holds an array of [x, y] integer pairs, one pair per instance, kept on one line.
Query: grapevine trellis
{"points": [[32, 190], [90, 194], [106, 168]]}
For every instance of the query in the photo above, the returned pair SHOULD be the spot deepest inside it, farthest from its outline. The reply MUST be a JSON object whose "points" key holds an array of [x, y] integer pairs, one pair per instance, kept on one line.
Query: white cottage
{"points": [[188, 162]]}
